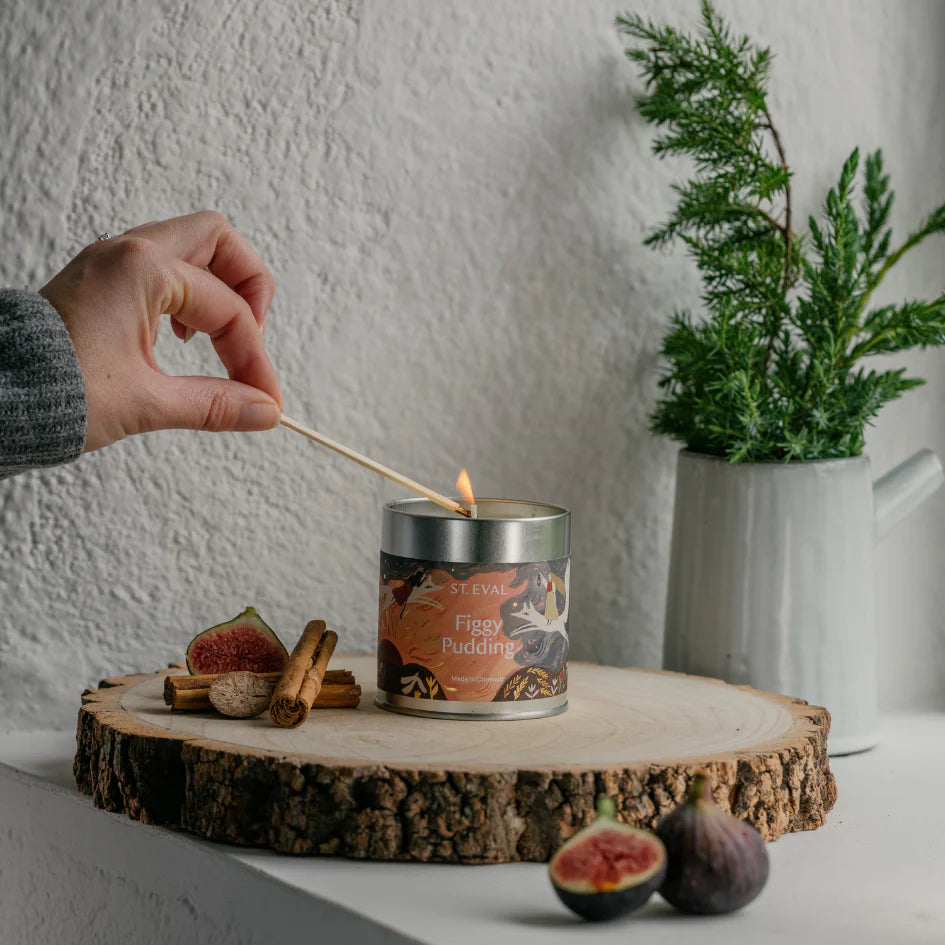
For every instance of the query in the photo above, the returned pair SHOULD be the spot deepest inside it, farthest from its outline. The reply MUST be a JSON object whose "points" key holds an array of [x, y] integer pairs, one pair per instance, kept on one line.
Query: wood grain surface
{"points": [[369, 783]]}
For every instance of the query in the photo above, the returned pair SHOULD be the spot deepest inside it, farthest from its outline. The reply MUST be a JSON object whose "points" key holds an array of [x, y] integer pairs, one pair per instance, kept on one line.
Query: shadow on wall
{"points": [[591, 303]]}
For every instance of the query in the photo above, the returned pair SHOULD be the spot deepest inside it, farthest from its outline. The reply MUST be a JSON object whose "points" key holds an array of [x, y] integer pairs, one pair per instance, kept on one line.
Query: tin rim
{"points": [[417, 528], [472, 711], [421, 507]]}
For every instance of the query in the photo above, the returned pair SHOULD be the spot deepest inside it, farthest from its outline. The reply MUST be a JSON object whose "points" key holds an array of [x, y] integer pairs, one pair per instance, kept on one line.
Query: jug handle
{"points": [[903, 489]]}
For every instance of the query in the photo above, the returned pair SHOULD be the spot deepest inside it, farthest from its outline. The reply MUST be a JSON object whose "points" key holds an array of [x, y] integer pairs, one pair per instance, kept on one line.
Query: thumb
{"points": [[214, 404]]}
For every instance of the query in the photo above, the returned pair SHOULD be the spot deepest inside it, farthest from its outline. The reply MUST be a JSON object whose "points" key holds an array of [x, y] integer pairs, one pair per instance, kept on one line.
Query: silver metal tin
{"points": [[527, 531], [431, 546], [472, 711]]}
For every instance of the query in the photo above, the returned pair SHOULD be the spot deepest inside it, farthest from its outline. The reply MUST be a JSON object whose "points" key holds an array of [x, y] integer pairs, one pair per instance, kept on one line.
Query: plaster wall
{"points": [[452, 197]]}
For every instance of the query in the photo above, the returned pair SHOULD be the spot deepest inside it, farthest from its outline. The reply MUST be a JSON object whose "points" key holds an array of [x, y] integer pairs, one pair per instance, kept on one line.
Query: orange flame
{"points": [[465, 487]]}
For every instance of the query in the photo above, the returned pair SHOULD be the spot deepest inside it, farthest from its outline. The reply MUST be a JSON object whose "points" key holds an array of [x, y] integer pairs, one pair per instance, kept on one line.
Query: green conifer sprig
{"points": [[773, 371]]}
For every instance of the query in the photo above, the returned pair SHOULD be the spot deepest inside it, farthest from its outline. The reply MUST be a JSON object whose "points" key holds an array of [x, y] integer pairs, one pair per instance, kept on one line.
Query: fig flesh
{"points": [[607, 869], [717, 863], [244, 643]]}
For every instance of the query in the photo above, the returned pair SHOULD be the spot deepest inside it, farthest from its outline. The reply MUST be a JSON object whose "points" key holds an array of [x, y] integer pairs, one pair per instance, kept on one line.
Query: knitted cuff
{"points": [[42, 395]]}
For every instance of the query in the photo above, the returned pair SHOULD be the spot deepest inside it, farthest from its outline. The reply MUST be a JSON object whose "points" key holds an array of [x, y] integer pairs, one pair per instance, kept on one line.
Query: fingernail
{"points": [[189, 334], [257, 417]]}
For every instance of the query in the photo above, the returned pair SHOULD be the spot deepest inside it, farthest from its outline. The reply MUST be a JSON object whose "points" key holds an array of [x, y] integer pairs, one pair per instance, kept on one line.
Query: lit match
{"points": [[465, 490]]}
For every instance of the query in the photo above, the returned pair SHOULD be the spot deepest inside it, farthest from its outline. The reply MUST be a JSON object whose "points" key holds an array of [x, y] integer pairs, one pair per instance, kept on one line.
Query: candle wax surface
{"points": [[510, 509]]}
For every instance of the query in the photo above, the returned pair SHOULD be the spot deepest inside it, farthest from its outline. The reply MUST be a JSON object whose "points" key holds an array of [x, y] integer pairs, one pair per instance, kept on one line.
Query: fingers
{"points": [[180, 330], [198, 300], [208, 240], [209, 403]]}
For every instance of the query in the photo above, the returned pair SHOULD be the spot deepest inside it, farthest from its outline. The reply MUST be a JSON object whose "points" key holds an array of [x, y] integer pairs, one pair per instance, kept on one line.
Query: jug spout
{"points": [[904, 489]]}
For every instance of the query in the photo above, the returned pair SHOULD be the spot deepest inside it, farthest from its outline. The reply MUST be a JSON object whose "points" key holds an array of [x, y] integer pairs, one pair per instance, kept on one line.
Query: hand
{"points": [[202, 273]]}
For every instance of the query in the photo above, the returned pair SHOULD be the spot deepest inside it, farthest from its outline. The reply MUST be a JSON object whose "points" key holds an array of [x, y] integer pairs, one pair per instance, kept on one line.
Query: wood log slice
{"points": [[373, 784]]}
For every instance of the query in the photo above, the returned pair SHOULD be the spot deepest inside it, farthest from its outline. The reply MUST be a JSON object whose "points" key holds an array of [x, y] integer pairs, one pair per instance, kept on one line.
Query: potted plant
{"points": [[769, 390]]}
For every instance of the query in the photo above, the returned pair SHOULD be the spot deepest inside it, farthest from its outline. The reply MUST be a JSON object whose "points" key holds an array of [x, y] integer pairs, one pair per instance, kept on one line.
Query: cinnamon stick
{"points": [[300, 660], [242, 695], [191, 700], [335, 696], [302, 679], [332, 696], [315, 676], [175, 684]]}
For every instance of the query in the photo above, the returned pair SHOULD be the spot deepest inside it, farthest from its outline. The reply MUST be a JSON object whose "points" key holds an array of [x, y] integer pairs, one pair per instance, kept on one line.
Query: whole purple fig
{"points": [[716, 862]]}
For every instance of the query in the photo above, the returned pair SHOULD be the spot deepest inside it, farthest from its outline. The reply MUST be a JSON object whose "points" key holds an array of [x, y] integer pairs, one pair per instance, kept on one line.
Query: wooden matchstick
{"points": [[411, 484]]}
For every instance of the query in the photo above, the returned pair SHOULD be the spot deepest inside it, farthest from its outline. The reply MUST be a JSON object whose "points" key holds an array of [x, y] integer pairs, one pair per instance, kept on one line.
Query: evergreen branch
{"points": [[773, 371], [933, 223], [900, 327], [704, 206], [878, 204], [786, 227], [828, 314]]}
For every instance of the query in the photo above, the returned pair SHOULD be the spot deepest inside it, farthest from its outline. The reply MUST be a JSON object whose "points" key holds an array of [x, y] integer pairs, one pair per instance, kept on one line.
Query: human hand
{"points": [[202, 273]]}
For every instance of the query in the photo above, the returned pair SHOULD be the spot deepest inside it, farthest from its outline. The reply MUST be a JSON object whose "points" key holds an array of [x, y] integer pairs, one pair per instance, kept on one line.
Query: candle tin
{"points": [[473, 612]]}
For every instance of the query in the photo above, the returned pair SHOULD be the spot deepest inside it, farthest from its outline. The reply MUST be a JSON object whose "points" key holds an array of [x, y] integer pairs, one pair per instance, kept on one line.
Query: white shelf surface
{"points": [[874, 874]]}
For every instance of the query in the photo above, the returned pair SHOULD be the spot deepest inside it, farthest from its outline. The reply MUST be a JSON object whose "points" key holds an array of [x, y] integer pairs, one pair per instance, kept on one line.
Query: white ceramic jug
{"points": [[771, 577]]}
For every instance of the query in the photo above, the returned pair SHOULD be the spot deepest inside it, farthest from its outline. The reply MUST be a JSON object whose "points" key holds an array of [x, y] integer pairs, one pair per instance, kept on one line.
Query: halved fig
{"points": [[244, 643], [607, 869]]}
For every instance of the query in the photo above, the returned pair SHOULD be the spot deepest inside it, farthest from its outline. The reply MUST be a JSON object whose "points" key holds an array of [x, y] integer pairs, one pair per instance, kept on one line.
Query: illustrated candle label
{"points": [[473, 632]]}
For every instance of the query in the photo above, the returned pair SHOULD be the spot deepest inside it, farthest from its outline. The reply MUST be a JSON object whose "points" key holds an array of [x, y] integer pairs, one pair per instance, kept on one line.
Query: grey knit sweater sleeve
{"points": [[42, 396]]}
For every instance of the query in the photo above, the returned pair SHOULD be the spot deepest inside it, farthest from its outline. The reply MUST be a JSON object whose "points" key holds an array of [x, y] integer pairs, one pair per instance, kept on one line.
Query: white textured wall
{"points": [[452, 197]]}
